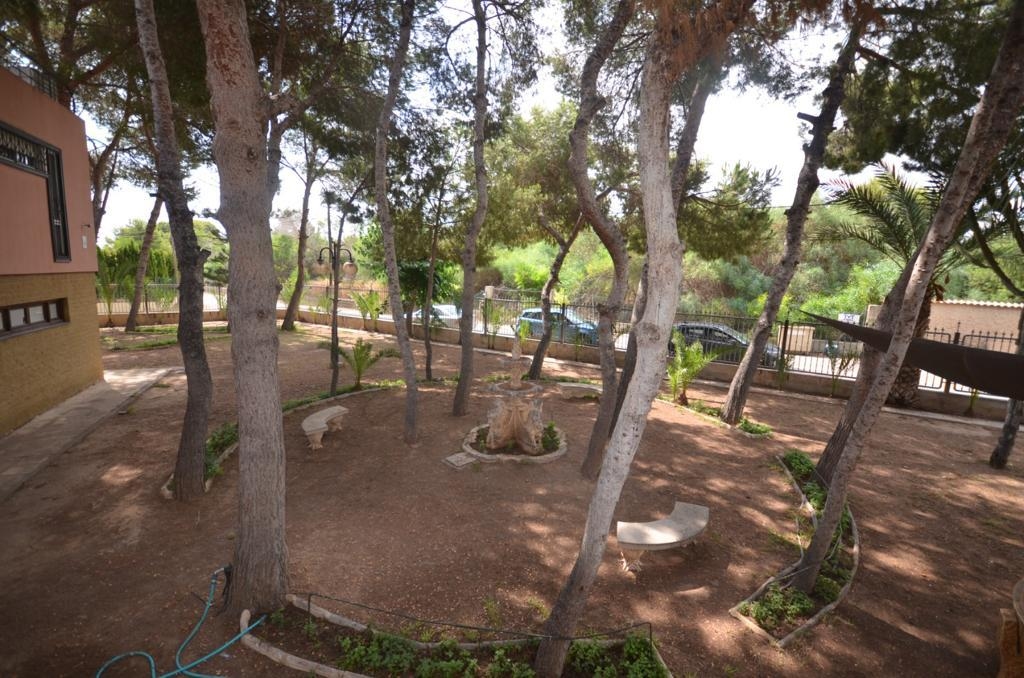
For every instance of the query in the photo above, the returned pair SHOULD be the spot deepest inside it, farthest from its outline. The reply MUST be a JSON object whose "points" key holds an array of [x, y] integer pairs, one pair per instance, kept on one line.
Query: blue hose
{"points": [[186, 669]]}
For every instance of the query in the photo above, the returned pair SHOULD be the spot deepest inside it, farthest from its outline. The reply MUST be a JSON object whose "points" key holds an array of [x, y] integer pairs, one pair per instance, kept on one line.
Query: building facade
{"points": [[49, 340]]}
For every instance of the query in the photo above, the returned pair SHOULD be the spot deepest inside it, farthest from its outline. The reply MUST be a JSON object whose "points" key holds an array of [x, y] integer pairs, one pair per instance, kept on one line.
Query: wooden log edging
{"points": [[165, 489], [781, 643], [306, 605]]}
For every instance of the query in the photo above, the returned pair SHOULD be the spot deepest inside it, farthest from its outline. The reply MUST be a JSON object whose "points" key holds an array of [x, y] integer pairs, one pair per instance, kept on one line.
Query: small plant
{"points": [[639, 659], [549, 440], [754, 428], [589, 658], [491, 314], [778, 605], [838, 362], [362, 357], [502, 666], [799, 464], [221, 439], [276, 618], [579, 340], [685, 363], [311, 630], [493, 612], [369, 305], [702, 408], [538, 606]]}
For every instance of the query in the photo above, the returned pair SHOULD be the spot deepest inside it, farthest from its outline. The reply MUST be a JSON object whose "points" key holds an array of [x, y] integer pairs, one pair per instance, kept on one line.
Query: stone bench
{"points": [[318, 423], [683, 525], [570, 390]]}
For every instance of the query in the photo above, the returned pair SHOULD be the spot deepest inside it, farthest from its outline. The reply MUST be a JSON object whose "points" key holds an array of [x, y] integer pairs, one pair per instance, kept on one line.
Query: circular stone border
{"points": [[467, 447], [781, 643]]}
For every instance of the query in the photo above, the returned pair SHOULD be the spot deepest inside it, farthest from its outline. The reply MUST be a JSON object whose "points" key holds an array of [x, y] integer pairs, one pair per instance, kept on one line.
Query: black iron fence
{"points": [[795, 346]]}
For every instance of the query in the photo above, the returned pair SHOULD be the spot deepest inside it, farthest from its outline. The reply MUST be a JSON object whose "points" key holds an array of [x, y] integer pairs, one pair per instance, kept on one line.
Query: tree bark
{"points": [[905, 390], [460, 405], [867, 370], [994, 118], [664, 258], [607, 230], [188, 470], [131, 324], [240, 150], [1014, 414], [428, 301], [537, 364], [300, 275], [384, 216], [796, 218]]}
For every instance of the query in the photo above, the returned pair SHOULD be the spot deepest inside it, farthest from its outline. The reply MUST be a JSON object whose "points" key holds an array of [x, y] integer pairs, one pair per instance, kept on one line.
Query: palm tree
{"points": [[893, 217]]}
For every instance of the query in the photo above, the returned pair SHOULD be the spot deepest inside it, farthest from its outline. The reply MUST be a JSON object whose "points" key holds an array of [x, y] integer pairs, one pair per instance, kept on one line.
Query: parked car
{"points": [[563, 327], [444, 315], [729, 344]]}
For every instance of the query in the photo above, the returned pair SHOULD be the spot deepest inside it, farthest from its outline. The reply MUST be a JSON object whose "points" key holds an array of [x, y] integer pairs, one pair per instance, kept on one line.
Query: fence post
{"points": [[561, 326], [956, 342], [784, 343], [145, 295]]}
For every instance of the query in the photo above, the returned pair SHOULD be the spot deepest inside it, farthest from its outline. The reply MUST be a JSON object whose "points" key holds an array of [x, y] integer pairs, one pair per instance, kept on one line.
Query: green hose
{"points": [[186, 669]]}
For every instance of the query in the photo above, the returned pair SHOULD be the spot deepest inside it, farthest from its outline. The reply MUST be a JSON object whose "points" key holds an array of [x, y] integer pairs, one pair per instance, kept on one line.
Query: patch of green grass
{"points": [[778, 605], [538, 607], [701, 407], [799, 464], [754, 428], [221, 439]]}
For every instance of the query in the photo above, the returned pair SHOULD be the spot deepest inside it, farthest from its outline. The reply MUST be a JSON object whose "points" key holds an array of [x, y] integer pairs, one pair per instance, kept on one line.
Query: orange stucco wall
{"points": [[25, 246]]}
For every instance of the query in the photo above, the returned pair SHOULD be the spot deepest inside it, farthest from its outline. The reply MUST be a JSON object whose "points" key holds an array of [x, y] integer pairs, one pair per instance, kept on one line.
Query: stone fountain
{"points": [[516, 416]]}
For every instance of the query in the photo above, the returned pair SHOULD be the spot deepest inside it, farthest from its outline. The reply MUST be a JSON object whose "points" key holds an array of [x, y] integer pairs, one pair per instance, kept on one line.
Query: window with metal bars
{"points": [[29, 154], [29, 317]]}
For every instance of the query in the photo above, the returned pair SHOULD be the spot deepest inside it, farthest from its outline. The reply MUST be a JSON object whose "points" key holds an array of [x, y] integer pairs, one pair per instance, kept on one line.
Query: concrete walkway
{"points": [[25, 451]]}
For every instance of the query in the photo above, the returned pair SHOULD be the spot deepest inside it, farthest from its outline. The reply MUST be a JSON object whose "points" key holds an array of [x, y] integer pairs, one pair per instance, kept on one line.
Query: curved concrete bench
{"points": [[318, 423], [682, 526], [573, 389]]}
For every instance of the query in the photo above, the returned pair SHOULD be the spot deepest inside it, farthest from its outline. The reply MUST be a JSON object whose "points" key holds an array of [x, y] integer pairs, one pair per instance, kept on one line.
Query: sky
{"points": [[738, 126]]}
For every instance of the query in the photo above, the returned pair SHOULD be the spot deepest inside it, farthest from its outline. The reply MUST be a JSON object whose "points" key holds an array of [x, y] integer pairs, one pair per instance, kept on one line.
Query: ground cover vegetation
{"points": [[463, 191]]}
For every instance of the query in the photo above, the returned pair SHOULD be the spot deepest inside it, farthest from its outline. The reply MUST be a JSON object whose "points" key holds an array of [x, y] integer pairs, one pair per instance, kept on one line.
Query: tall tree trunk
{"points": [[905, 390], [870, 361], [994, 118], [335, 284], [384, 216], [131, 324], [300, 275], [545, 294], [240, 151], [664, 259], [1014, 414], [607, 230], [188, 471], [796, 217], [428, 301], [460, 405]]}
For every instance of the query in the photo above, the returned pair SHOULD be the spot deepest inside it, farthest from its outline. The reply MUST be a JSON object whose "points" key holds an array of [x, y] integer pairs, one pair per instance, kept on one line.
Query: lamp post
{"points": [[335, 249]]}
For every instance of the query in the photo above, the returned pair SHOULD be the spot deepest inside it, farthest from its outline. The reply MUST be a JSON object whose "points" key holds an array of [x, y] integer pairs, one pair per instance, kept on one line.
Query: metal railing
{"points": [[794, 346]]}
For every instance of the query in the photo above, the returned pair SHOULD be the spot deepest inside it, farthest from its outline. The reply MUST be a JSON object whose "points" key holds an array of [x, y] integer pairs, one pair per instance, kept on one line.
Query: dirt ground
{"points": [[93, 563]]}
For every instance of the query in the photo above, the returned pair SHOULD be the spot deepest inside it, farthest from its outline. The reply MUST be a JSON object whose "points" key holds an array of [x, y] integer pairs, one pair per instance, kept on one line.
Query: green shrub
{"points": [[639, 660], [503, 667], [778, 605], [589, 657], [827, 589], [549, 439], [753, 427], [799, 464], [221, 439]]}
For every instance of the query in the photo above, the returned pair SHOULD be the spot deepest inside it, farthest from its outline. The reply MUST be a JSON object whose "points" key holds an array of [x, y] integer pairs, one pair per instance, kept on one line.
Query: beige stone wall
{"points": [[974, 318], [43, 367]]}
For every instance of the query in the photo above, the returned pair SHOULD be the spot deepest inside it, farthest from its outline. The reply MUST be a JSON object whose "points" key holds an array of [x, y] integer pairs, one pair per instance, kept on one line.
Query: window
{"points": [[26, 153], [32, 316]]}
